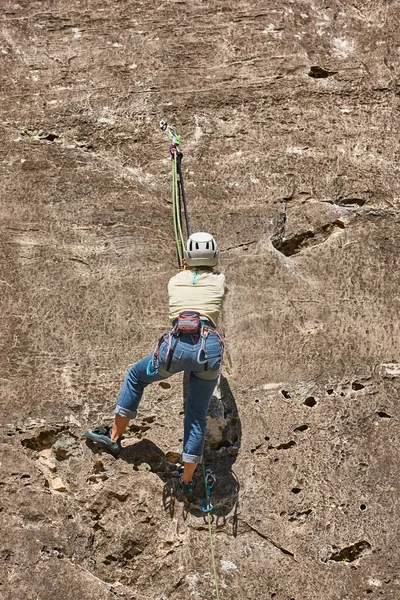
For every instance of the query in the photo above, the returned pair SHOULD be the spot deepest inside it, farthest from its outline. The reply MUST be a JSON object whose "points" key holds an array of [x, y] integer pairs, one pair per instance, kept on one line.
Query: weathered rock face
{"points": [[289, 117]]}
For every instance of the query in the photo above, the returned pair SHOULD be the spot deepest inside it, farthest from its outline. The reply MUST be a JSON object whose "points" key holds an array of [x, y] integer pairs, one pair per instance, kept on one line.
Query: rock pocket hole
{"points": [[149, 419], [109, 559], [286, 445], [256, 448], [49, 136], [356, 385], [320, 73], [383, 415], [165, 385], [330, 391], [296, 490], [363, 507], [351, 553], [138, 429], [301, 428], [285, 394], [45, 439], [310, 401]]}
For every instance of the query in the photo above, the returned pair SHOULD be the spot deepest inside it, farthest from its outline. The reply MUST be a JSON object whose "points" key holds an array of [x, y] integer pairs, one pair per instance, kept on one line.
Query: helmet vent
{"points": [[197, 246]]}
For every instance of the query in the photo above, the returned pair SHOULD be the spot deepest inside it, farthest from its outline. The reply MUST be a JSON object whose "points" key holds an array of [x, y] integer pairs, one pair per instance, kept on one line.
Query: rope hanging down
{"points": [[178, 191], [206, 507]]}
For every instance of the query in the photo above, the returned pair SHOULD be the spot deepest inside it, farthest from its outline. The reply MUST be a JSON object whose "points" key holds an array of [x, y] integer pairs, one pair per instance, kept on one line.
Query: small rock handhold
{"points": [[172, 457], [97, 477], [58, 485], [98, 467], [46, 458], [144, 467], [214, 433], [64, 447], [50, 464], [46, 454]]}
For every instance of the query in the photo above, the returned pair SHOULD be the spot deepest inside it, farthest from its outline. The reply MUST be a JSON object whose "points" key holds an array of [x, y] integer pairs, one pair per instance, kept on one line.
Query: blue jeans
{"points": [[203, 372]]}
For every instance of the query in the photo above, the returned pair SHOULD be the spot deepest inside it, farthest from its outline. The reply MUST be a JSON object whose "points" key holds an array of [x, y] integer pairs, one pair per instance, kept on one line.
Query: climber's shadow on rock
{"points": [[222, 445]]}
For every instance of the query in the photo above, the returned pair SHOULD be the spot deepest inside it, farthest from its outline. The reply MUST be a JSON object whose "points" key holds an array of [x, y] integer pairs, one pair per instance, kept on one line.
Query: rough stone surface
{"points": [[289, 113]]}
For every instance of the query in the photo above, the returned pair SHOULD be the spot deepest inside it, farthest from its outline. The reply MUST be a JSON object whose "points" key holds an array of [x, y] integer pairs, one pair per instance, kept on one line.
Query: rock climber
{"points": [[193, 345]]}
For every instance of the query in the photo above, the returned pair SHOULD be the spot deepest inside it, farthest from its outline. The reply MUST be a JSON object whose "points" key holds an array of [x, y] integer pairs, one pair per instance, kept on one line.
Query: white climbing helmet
{"points": [[201, 250]]}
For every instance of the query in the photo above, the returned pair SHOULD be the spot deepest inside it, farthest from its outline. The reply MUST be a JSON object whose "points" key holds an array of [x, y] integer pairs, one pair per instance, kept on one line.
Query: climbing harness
{"points": [[204, 333], [206, 507], [178, 191], [153, 364], [189, 324]]}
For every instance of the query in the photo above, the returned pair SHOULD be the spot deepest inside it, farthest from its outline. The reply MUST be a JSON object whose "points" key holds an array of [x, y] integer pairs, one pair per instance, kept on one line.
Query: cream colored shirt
{"points": [[199, 290]]}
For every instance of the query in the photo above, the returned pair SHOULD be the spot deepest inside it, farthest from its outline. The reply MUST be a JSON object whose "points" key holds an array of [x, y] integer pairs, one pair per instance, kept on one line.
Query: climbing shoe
{"points": [[102, 436], [186, 489]]}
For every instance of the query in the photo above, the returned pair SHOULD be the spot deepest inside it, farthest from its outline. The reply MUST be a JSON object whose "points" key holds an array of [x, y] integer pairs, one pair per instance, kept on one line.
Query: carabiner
{"points": [[206, 506], [202, 357], [210, 479], [152, 367]]}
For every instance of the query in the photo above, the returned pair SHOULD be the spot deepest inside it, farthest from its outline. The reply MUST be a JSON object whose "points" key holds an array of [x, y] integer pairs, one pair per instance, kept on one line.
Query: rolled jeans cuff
{"points": [[191, 458], [124, 412]]}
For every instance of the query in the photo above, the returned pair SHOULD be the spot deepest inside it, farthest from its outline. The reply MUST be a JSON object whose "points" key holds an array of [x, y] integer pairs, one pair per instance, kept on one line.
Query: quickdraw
{"points": [[178, 190], [209, 482]]}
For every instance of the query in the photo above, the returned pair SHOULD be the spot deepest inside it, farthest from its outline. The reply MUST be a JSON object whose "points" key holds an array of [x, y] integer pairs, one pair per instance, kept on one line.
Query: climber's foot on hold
{"points": [[102, 436], [186, 489]]}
